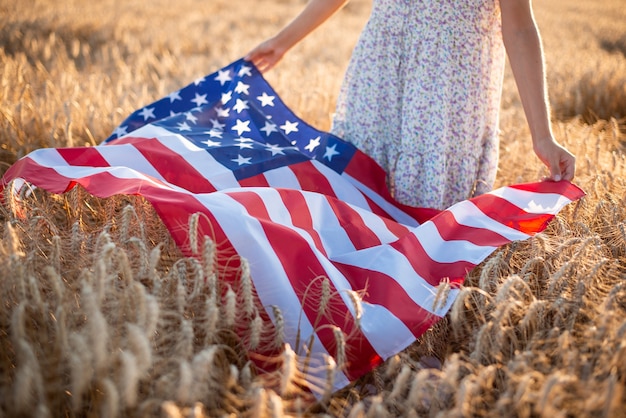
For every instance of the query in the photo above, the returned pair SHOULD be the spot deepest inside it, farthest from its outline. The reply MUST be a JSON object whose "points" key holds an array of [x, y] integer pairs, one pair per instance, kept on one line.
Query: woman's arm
{"points": [[269, 53], [524, 49]]}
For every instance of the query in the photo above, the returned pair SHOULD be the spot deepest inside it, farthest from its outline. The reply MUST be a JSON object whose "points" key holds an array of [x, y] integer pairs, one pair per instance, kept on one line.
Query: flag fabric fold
{"points": [[298, 204]]}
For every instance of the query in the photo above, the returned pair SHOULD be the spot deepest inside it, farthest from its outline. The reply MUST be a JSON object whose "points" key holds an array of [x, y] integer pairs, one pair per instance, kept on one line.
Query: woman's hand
{"points": [[266, 55], [560, 162]]}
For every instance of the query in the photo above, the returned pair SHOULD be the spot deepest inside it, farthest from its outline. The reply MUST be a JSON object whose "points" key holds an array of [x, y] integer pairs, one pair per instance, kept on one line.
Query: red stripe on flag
{"points": [[354, 226], [300, 215], [255, 181], [129, 140], [173, 167], [41, 176], [365, 169], [567, 189], [84, 157], [450, 229], [311, 179], [301, 266]]}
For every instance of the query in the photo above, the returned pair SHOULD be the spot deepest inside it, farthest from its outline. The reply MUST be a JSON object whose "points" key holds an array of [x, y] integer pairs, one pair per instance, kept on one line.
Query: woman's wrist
{"points": [[542, 138]]}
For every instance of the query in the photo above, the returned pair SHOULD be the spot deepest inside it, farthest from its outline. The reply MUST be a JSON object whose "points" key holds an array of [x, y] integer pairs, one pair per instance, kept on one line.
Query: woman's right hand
{"points": [[269, 53], [266, 55]]}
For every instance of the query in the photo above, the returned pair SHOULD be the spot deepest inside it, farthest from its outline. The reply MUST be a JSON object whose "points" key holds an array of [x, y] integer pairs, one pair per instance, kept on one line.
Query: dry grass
{"points": [[101, 315]]}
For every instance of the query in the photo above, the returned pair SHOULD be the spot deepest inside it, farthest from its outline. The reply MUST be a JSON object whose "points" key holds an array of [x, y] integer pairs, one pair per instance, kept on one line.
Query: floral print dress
{"points": [[421, 96]]}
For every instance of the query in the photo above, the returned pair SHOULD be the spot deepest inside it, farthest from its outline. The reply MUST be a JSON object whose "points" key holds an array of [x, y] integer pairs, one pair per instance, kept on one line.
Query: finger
{"points": [[555, 171], [569, 169], [257, 60], [271, 64], [267, 63], [263, 65]]}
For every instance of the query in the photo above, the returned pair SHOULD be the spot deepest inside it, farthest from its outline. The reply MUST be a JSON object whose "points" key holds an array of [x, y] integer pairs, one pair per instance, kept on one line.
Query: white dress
{"points": [[422, 95]]}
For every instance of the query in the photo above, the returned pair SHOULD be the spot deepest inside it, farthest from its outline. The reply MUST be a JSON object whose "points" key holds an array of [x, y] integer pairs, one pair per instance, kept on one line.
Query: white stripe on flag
{"points": [[282, 177], [332, 234], [385, 332], [201, 160], [442, 251], [126, 155], [466, 213], [532, 202], [47, 157]]}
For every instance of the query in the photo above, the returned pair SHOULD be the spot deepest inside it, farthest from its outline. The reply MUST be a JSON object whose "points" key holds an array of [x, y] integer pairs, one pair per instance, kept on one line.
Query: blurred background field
{"points": [[101, 316]]}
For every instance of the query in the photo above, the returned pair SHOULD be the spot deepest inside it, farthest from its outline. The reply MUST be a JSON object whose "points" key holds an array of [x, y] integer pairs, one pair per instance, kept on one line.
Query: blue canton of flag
{"points": [[238, 118]]}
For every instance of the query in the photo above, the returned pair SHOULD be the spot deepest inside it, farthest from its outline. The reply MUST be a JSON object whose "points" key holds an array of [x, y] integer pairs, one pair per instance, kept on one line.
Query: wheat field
{"points": [[102, 316]]}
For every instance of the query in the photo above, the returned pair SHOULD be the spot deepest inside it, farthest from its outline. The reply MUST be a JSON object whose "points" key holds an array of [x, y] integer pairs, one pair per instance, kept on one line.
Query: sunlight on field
{"points": [[102, 316]]}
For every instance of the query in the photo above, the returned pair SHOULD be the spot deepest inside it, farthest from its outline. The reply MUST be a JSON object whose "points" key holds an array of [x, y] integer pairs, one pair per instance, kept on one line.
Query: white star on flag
{"points": [[241, 105], [199, 100], [242, 139], [174, 96], [226, 97], [222, 112], [147, 113], [121, 131], [241, 126], [215, 133], [183, 126], [269, 128], [217, 124], [313, 143], [197, 81], [223, 76], [266, 99], [331, 152], [289, 127], [210, 143], [246, 145], [191, 117], [244, 70], [240, 160], [242, 88], [274, 149]]}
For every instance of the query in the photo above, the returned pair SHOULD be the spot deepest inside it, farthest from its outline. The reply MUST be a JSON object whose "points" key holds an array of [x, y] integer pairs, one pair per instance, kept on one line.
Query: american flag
{"points": [[298, 204]]}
